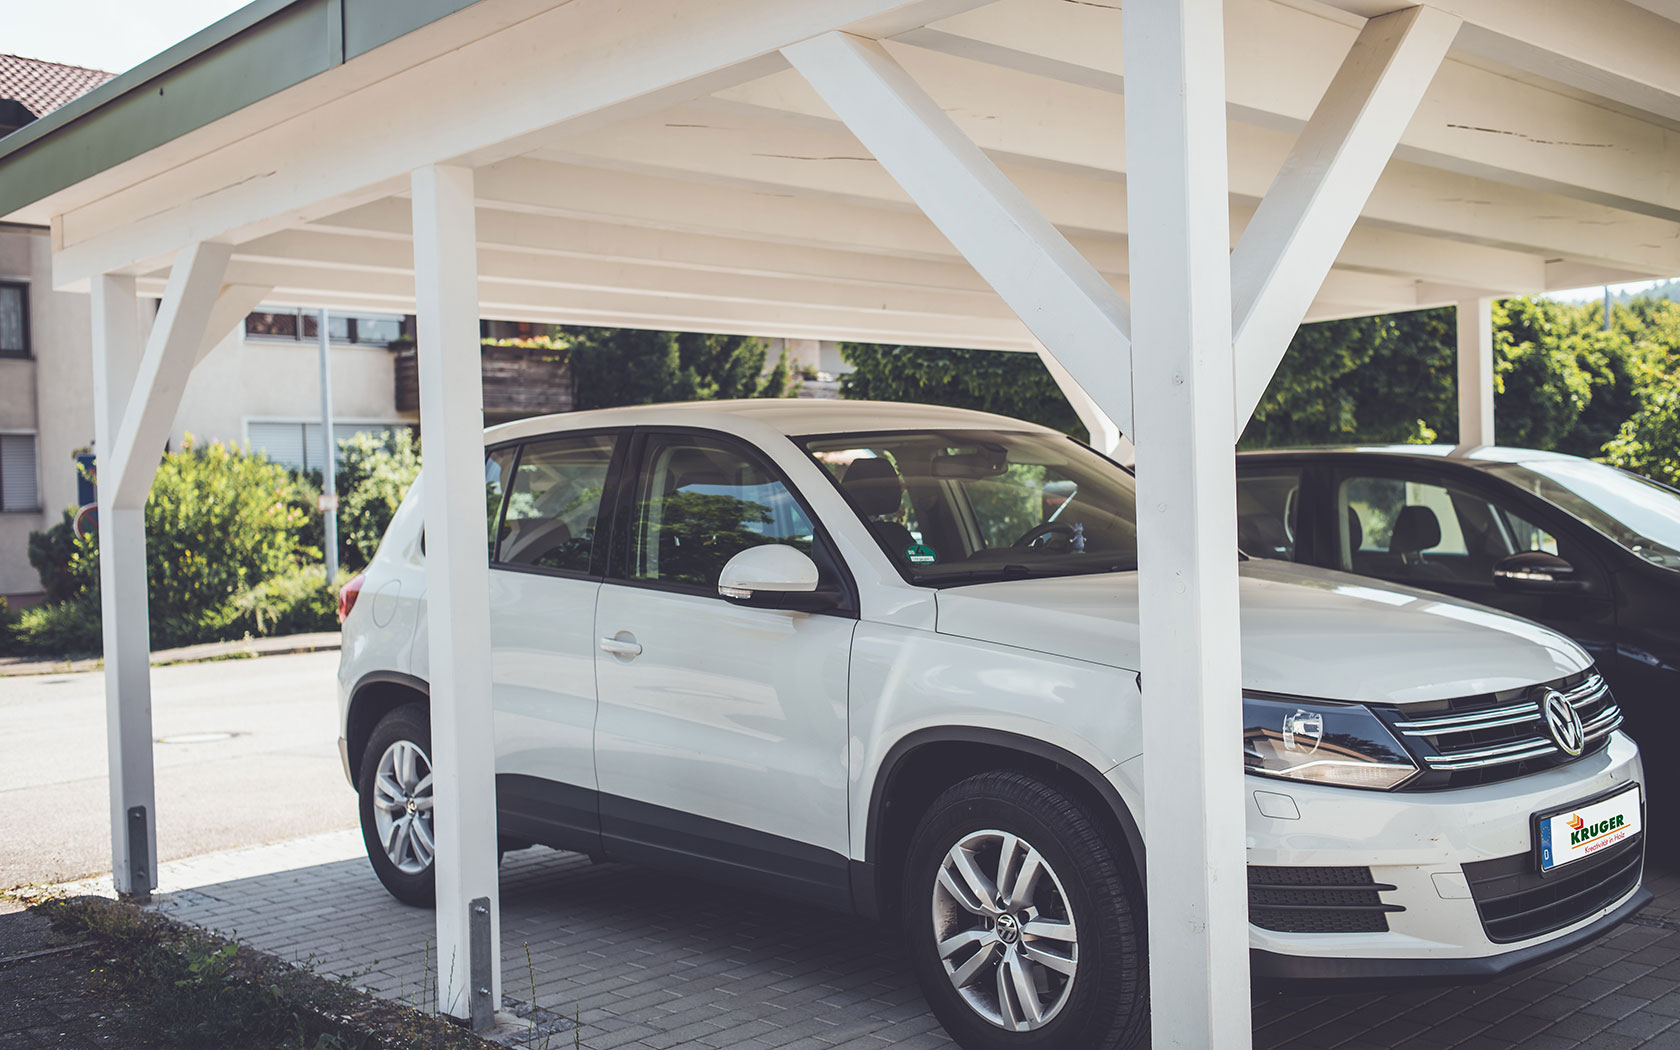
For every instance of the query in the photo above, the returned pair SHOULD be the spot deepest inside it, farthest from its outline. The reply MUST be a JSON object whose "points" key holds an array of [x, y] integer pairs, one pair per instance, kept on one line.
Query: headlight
{"points": [[1323, 743]]}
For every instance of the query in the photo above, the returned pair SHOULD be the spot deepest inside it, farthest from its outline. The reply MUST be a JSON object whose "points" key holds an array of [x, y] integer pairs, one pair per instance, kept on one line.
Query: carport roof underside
{"points": [[660, 165]]}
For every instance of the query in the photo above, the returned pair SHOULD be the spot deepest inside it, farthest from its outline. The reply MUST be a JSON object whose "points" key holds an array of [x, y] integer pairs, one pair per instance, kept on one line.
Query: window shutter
{"points": [[18, 489], [282, 442]]}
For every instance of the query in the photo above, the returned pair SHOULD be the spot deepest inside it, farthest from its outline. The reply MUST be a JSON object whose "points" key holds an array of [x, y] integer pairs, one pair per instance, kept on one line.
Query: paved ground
{"points": [[650, 961], [265, 768], [46, 996]]}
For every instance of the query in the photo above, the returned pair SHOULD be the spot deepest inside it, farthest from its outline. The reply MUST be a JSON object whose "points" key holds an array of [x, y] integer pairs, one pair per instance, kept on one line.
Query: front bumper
{"points": [[1419, 842]]}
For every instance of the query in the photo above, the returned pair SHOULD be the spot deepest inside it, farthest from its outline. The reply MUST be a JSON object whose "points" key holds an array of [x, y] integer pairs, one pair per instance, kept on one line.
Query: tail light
{"points": [[347, 596]]}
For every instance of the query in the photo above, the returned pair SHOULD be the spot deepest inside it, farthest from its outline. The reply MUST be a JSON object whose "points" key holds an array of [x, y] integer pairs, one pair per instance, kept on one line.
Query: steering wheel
{"points": [[1040, 531]]}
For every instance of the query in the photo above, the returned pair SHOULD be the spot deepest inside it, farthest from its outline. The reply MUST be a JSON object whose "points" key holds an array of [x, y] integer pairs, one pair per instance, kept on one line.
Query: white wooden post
{"points": [[1475, 372], [457, 589], [1178, 210], [122, 588]]}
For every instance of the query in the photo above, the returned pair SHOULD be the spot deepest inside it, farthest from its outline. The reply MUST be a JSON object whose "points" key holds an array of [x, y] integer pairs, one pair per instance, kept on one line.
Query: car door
{"points": [[547, 557], [721, 740], [1444, 532]]}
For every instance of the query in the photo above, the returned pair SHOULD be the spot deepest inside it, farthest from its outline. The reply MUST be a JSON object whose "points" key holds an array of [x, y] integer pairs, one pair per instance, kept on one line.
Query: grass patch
{"points": [[190, 989]]}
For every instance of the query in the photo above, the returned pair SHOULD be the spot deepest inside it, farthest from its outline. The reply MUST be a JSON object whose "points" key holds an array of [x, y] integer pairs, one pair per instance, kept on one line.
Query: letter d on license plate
{"points": [[1587, 828]]}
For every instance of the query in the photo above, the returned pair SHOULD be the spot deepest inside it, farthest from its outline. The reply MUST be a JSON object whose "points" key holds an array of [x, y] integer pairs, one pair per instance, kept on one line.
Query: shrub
{"points": [[50, 553], [293, 602], [375, 472], [65, 629]]}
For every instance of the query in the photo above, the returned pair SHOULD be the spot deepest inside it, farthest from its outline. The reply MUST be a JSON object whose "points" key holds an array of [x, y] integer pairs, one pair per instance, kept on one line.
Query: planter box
{"points": [[518, 382]]}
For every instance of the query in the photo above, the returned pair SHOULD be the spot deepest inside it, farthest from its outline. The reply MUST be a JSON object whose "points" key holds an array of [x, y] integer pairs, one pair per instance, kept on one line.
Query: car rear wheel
{"points": [[396, 804], [1021, 921]]}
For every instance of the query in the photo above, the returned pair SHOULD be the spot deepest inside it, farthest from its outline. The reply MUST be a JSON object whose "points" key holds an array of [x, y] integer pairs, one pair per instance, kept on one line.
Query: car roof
{"points": [[1467, 455], [790, 416]]}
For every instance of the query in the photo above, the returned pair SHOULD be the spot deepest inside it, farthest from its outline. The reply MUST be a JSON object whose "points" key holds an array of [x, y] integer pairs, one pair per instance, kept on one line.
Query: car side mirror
{"points": [[774, 576], [1536, 572]]}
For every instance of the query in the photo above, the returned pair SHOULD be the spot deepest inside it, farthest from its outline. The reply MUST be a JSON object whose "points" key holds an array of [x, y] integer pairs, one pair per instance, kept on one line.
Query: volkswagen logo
{"points": [[1563, 722]]}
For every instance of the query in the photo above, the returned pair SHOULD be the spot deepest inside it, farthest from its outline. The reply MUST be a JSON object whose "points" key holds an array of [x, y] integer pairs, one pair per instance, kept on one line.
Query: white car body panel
{"points": [[729, 713], [543, 675], [1292, 618]]}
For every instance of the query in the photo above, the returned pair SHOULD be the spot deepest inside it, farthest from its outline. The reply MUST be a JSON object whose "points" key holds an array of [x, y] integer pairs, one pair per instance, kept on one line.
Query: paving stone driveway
{"points": [[649, 961]]}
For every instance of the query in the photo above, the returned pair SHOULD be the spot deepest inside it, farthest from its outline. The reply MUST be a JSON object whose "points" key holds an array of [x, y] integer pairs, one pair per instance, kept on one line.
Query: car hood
{"points": [[1305, 632]]}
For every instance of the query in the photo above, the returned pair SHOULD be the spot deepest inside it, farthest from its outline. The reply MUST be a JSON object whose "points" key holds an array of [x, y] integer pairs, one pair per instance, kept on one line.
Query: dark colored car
{"points": [[1581, 547]]}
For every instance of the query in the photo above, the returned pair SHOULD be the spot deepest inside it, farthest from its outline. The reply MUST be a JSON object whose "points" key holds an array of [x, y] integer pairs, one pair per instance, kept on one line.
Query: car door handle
{"points": [[627, 647]]}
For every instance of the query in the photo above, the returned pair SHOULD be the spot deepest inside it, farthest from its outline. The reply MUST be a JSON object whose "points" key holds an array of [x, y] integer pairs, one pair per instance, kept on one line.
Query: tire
{"points": [[408, 874], [1089, 990]]}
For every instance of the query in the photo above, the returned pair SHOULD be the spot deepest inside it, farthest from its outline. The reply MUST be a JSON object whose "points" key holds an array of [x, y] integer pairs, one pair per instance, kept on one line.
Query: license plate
{"points": [[1585, 828]]}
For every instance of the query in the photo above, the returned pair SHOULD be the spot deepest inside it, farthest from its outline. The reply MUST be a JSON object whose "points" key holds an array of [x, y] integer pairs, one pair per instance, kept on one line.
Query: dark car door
{"points": [[1444, 529]]}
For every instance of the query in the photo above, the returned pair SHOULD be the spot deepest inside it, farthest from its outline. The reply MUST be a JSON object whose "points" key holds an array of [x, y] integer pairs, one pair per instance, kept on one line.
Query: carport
{"points": [[1152, 208]]}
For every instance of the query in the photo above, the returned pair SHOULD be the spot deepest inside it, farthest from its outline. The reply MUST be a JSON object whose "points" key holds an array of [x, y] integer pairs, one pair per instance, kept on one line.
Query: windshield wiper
{"points": [[1016, 571]]}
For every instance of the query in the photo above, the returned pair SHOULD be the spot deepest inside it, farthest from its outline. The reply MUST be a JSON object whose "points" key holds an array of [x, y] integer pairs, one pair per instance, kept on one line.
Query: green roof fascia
{"points": [[260, 50]]}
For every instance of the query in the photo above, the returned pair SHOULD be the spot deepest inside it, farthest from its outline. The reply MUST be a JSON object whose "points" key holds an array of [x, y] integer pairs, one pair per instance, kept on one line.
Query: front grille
{"points": [[1516, 902], [1498, 736], [1317, 900]]}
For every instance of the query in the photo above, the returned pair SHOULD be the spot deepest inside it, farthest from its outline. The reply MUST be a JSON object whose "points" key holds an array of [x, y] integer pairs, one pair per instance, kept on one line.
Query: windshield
{"points": [[1640, 515], [967, 506]]}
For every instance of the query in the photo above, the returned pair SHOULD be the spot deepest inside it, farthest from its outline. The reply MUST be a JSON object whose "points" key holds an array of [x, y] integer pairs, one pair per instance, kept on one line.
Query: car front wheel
{"points": [[1021, 922]]}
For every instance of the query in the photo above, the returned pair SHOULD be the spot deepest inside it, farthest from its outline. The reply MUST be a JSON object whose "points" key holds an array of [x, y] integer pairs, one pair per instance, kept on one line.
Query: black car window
{"points": [[1428, 533], [554, 503], [497, 466], [1268, 512], [700, 502]]}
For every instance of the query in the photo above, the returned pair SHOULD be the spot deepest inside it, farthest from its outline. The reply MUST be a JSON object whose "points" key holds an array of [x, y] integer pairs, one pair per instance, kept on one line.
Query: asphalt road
{"points": [[274, 775]]}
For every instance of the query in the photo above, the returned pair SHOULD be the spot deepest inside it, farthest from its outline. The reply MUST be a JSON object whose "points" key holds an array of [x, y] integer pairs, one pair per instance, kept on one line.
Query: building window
{"points": [[298, 445], [14, 319], [18, 489], [294, 326]]}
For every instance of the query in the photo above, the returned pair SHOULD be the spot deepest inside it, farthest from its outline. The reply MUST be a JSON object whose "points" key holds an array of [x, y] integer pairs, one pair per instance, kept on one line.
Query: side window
{"points": [[699, 502], [1422, 532], [497, 466], [1268, 511], [1525, 535], [554, 503]]}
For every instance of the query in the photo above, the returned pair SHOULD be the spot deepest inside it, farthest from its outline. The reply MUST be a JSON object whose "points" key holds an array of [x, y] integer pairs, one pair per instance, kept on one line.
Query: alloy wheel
{"points": [[1004, 932], [402, 806]]}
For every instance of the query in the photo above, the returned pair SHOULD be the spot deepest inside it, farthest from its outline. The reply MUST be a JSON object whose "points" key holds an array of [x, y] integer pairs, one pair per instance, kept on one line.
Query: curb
{"points": [[245, 649]]}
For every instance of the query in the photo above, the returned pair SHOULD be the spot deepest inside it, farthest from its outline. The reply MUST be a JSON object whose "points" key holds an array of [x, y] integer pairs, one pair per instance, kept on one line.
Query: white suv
{"points": [[882, 658]]}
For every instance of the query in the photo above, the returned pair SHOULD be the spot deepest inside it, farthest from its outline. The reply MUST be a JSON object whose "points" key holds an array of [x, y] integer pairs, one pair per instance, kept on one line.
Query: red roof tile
{"points": [[42, 87]]}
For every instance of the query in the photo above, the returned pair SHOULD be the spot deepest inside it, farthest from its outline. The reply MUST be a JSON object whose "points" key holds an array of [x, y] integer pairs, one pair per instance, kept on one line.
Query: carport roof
{"points": [[726, 196]]}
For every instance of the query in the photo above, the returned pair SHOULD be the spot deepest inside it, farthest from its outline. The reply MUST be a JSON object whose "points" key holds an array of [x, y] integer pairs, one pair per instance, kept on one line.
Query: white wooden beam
{"points": [[587, 60], [233, 303], [1187, 568], [1068, 306], [1474, 119], [1475, 372], [785, 150], [1105, 435], [1284, 255], [122, 597], [172, 349], [457, 584]]}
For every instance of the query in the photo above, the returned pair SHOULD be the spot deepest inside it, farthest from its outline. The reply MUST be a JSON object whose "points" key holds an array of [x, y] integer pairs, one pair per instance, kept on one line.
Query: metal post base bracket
{"points": [[139, 850], [478, 949]]}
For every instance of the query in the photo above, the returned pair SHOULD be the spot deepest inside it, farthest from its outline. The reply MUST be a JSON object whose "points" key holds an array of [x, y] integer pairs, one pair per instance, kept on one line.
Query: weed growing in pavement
{"points": [[191, 989]]}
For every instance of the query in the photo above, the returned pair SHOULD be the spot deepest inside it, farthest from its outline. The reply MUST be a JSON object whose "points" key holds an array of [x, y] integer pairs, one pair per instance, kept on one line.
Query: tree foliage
{"points": [[1561, 381], [1011, 384], [629, 366]]}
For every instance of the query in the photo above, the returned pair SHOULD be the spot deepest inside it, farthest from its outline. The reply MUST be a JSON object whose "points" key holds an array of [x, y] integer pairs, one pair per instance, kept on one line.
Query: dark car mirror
{"points": [[1536, 572]]}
